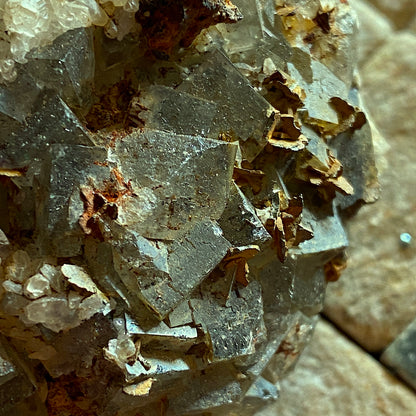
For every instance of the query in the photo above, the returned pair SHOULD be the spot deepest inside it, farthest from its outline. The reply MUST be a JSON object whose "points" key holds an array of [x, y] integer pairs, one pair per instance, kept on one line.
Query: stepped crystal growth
{"points": [[172, 181]]}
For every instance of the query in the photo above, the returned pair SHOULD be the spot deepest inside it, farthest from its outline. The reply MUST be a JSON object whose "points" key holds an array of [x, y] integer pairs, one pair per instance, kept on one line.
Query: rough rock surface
{"points": [[412, 26], [388, 80], [374, 28], [351, 383], [399, 12]]}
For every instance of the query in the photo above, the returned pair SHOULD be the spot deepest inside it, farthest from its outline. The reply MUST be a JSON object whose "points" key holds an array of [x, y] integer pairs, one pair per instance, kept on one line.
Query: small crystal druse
{"points": [[173, 180]]}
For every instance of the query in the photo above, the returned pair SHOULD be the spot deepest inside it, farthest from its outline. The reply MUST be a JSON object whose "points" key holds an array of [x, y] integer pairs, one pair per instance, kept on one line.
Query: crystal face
{"points": [[173, 182]]}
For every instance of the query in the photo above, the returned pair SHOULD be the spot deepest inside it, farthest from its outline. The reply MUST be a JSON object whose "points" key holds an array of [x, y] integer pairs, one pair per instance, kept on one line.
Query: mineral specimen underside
{"points": [[171, 199]]}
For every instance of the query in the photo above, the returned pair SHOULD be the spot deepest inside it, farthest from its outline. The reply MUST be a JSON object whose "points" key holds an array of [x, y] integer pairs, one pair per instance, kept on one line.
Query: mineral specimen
{"points": [[173, 181]]}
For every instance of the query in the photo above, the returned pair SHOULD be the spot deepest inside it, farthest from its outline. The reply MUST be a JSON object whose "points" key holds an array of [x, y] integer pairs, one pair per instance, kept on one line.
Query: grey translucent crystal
{"points": [[216, 79], [167, 109], [177, 181], [164, 276], [235, 328]]}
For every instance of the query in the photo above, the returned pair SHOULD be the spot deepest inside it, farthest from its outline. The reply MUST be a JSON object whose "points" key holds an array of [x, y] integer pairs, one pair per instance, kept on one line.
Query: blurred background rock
{"points": [[368, 309]]}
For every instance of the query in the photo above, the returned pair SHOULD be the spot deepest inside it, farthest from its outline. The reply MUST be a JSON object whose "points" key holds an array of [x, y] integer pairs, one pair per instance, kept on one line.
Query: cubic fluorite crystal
{"points": [[173, 180]]}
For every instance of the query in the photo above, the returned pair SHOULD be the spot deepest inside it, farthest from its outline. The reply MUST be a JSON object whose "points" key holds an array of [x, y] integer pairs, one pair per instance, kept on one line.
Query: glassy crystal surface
{"points": [[60, 202], [175, 181], [167, 109], [15, 384], [173, 184], [66, 66], [235, 328], [240, 223], [216, 79]]}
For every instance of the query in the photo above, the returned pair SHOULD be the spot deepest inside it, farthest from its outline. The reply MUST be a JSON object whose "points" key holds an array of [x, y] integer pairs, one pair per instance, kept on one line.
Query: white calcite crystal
{"points": [[10, 286], [33, 23], [174, 178], [36, 286], [67, 308]]}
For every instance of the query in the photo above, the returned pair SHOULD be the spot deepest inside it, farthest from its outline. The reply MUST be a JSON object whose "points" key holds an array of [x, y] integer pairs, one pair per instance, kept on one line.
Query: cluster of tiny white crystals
{"points": [[28, 24]]}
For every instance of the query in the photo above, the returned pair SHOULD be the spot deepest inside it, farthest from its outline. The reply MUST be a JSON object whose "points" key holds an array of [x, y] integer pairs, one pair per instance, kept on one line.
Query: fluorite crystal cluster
{"points": [[173, 178]]}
